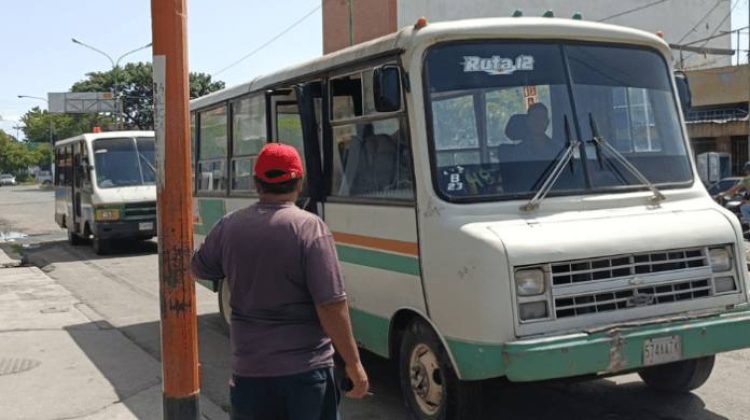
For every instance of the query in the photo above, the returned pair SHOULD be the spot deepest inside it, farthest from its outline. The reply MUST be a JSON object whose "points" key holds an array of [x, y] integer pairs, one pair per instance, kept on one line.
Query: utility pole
{"points": [[179, 332]]}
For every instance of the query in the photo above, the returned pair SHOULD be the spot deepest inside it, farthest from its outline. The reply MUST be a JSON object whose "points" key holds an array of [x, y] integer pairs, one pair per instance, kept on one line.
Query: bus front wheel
{"points": [[101, 246], [429, 385], [74, 239], [679, 377]]}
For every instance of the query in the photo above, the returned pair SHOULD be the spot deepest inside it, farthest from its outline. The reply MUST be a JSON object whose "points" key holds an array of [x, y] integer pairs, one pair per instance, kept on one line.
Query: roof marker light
{"points": [[660, 34], [96, 130], [549, 14], [518, 13], [577, 16], [421, 23]]}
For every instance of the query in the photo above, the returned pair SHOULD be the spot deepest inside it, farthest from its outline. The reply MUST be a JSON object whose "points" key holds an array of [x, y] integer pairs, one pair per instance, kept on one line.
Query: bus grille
{"points": [[140, 211], [631, 297], [580, 271]]}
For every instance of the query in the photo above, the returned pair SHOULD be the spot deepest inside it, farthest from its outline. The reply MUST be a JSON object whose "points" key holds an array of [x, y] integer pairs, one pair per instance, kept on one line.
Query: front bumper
{"points": [[125, 229], [620, 348]]}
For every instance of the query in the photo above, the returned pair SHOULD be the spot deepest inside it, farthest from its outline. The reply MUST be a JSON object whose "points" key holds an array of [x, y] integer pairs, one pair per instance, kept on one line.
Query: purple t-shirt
{"points": [[280, 261]]}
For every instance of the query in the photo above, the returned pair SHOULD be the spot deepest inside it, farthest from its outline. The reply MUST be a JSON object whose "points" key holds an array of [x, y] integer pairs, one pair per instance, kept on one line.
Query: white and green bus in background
{"points": [[510, 197], [105, 187]]}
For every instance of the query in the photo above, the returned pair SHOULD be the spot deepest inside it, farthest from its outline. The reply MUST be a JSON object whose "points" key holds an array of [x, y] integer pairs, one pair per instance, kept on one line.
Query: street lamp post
{"points": [[115, 66], [51, 121]]}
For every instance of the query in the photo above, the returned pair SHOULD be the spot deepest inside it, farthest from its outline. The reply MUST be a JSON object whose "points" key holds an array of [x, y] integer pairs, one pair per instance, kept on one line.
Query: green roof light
{"points": [[577, 16], [518, 13], [549, 14]]}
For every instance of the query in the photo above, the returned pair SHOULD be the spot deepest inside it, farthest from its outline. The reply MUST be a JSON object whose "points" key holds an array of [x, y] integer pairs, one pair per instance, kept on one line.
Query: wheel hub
{"points": [[426, 379]]}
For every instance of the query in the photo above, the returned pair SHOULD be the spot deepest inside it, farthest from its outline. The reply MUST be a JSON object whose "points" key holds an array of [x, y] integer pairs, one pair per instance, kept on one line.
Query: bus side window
{"points": [[248, 137], [212, 150], [371, 152], [372, 160]]}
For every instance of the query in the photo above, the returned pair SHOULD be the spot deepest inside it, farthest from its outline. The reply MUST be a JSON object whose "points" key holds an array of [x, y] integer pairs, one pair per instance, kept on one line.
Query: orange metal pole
{"points": [[179, 333]]}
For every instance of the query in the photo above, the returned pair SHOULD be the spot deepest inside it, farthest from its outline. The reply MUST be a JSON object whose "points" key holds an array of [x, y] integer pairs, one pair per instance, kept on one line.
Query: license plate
{"points": [[662, 350], [146, 226]]}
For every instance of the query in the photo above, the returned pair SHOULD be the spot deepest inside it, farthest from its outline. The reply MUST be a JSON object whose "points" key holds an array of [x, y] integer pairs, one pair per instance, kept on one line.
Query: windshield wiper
{"points": [[557, 170], [602, 144]]}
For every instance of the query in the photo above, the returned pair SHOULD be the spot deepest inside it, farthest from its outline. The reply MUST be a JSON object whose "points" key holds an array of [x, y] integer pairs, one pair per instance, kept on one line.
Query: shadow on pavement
{"points": [[595, 399], [40, 253]]}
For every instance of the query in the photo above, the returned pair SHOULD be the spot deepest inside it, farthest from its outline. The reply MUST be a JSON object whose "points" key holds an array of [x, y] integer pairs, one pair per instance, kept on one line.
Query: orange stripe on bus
{"points": [[401, 247]]}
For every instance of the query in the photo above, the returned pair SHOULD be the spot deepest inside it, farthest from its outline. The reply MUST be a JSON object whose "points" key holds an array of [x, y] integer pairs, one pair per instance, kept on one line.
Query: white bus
{"points": [[510, 197], [104, 187]]}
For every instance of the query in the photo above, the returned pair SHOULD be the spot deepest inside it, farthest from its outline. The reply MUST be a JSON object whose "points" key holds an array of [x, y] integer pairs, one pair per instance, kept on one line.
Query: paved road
{"points": [[123, 289]]}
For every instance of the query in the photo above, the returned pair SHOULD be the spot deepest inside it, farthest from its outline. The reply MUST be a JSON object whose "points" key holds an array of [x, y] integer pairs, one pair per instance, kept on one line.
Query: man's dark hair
{"points": [[279, 188]]}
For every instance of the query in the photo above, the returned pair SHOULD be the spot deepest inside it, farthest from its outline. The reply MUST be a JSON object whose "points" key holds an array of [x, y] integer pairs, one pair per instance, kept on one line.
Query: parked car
{"points": [[7, 179], [723, 185], [44, 178]]}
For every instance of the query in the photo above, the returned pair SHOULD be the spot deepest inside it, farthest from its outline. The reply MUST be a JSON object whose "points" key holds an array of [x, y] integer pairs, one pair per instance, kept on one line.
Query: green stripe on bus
{"points": [[477, 360], [378, 259], [211, 211], [370, 331]]}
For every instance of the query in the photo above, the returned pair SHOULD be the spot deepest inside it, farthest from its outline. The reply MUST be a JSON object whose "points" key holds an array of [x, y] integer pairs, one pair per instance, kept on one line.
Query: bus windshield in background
{"points": [[502, 115], [124, 162]]}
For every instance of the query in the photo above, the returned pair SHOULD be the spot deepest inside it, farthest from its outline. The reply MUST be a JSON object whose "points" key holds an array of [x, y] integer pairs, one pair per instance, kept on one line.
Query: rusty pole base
{"points": [[186, 408]]}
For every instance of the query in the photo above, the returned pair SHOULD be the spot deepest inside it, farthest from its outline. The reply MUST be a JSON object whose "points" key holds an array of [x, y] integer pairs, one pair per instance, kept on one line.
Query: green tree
{"points": [[16, 156], [134, 86], [38, 124]]}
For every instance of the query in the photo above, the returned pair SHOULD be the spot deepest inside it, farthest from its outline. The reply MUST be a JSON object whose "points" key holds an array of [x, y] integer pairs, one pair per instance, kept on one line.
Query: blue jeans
{"points": [[745, 210], [311, 395]]}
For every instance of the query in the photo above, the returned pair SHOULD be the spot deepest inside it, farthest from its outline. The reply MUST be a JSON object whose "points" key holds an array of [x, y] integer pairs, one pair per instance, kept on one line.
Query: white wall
{"points": [[675, 18]]}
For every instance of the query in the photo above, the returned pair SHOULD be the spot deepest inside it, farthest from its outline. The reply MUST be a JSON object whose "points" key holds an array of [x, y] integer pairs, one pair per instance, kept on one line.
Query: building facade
{"points": [[347, 22], [718, 120]]}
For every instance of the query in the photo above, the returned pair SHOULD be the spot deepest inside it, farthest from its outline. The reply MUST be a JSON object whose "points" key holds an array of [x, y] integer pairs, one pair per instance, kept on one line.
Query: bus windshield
{"points": [[124, 162], [503, 114]]}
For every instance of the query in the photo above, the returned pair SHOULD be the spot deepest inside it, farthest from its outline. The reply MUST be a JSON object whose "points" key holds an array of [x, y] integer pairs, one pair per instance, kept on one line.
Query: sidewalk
{"points": [[60, 360]]}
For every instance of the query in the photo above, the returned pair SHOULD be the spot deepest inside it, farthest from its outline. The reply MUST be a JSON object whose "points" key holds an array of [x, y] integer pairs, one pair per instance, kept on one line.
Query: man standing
{"points": [[287, 298]]}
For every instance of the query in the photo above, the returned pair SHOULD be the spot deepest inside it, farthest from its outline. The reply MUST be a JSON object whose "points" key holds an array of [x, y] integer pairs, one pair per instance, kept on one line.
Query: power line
{"points": [[718, 27], [636, 9], [270, 41], [718, 3]]}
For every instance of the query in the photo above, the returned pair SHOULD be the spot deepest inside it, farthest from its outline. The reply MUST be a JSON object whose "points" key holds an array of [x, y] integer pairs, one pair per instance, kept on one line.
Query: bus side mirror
{"points": [[386, 87], [683, 89]]}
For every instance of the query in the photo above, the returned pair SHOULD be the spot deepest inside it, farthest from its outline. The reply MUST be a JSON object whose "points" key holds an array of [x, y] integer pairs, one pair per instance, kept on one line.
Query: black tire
{"points": [[101, 246], [224, 308], [74, 239], [459, 400], [679, 377]]}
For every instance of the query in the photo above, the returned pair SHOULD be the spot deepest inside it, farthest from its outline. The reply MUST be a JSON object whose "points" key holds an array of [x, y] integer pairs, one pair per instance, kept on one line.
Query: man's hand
{"points": [[356, 373]]}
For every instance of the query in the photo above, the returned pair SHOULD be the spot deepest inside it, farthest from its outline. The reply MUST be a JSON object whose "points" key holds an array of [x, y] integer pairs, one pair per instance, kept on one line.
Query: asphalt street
{"points": [[123, 289]]}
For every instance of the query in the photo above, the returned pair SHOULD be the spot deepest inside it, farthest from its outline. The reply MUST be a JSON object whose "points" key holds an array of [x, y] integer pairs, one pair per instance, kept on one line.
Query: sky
{"points": [[39, 57]]}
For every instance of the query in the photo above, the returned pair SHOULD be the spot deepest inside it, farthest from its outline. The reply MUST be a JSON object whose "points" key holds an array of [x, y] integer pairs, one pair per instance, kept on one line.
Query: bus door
{"points": [[78, 175], [293, 122], [370, 207]]}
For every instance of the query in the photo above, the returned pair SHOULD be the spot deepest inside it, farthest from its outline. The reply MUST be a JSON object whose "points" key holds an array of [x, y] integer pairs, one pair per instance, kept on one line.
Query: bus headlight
{"points": [[533, 310], [530, 282], [107, 215], [721, 259]]}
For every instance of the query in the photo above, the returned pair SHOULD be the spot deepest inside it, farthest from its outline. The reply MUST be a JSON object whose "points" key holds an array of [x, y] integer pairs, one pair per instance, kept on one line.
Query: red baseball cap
{"points": [[277, 163]]}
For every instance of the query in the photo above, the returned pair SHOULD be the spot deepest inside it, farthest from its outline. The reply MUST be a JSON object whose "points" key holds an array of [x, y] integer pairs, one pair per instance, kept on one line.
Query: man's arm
{"points": [[334, 318], [206, 261], [326, 286]]}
